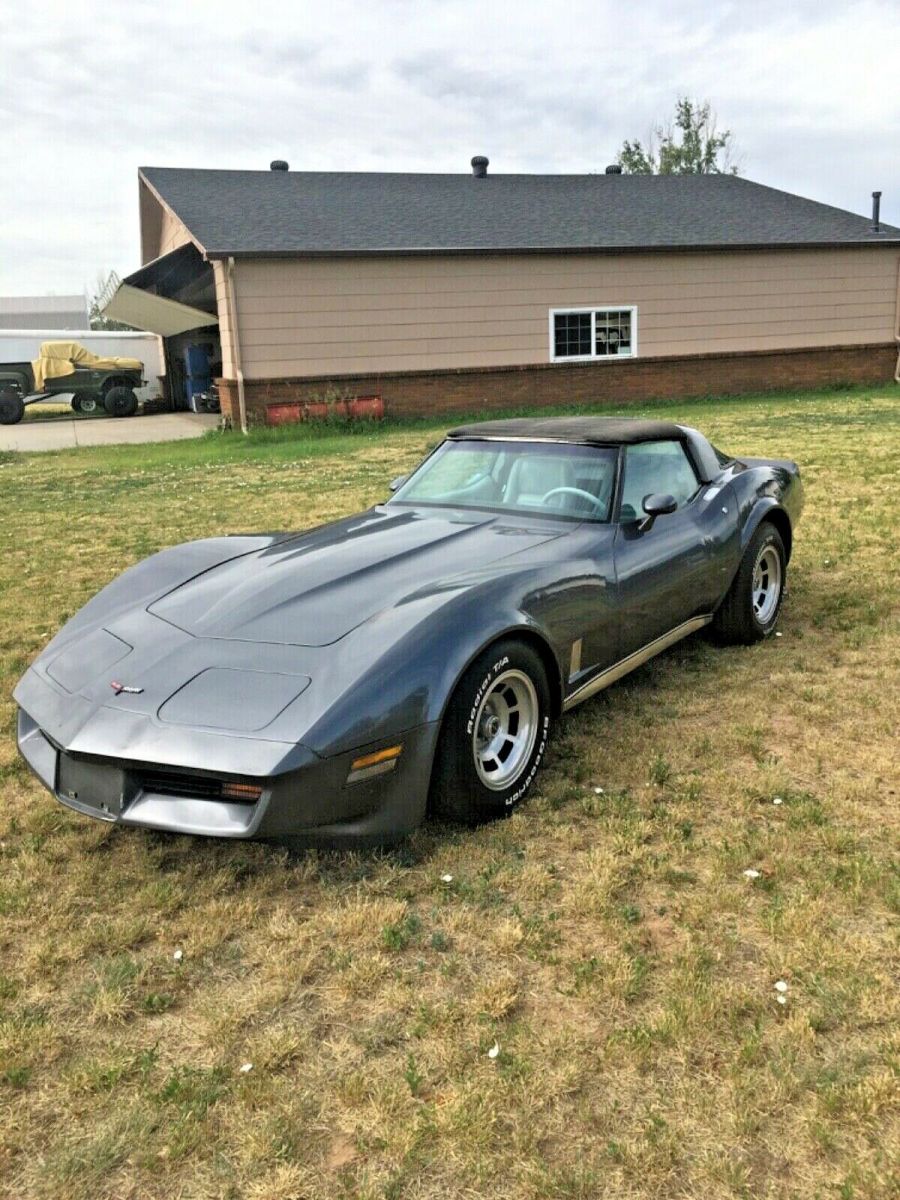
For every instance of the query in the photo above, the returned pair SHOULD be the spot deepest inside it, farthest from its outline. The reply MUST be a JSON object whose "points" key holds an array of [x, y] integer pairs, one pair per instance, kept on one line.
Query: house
{"points": [[44, 312], [478, 291]]}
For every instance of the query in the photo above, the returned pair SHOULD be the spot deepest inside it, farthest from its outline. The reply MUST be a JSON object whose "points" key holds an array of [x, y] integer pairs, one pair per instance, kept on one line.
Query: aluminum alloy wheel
{"points": [[506, 726], [766, 585], [88, 405]]}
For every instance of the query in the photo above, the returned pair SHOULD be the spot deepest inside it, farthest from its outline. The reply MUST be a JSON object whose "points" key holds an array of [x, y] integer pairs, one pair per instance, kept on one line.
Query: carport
{"points": [[175, 296]]}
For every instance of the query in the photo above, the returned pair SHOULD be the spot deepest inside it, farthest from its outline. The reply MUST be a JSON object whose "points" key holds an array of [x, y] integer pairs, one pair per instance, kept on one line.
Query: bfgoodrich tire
{"points": [[493, 736], [120, 402], [752, 606]]}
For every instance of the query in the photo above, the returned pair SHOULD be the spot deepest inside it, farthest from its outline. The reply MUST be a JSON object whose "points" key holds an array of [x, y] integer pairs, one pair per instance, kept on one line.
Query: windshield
{"points": [[547, 478]]}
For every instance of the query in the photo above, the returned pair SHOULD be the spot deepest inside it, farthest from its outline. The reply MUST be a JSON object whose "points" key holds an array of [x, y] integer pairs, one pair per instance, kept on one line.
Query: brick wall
{"points": [[421, 393]]}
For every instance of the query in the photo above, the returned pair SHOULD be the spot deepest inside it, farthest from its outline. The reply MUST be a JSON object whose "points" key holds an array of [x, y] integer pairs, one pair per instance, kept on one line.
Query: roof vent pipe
{"points": [[479, 166], [614, 169], [876, 212], [278, 164]]}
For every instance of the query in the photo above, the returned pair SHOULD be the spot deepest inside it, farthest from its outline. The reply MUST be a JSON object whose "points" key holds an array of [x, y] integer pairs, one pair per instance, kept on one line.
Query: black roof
{"points": [[323, 212], [602, 431]]}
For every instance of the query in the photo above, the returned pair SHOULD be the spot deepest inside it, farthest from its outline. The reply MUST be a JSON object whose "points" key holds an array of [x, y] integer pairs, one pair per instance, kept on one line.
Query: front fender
{"points": [[762, 510], [399, 670], [772, 490]]}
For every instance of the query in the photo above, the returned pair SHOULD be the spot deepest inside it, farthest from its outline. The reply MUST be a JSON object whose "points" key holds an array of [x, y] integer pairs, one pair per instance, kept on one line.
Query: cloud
{"points": [[89, 92]]}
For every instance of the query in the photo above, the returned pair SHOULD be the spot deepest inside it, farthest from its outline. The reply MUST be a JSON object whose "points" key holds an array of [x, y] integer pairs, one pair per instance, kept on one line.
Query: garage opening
{"points": [[175, 296]]}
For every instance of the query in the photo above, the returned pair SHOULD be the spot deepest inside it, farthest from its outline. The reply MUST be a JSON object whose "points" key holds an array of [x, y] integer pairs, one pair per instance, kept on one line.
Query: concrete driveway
{"points": [[65, 434]]}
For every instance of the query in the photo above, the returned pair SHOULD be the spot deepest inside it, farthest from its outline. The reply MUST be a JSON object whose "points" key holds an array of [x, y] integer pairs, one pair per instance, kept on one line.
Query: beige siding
{"points": [[151, 222], [331, 316], [161, 230], [227, 342], [173, 234]]}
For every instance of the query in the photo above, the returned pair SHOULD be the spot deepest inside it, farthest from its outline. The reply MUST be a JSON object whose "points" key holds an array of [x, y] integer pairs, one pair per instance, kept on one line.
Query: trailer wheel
{"points": [[12, 408], [120, 402], [85, 404]]}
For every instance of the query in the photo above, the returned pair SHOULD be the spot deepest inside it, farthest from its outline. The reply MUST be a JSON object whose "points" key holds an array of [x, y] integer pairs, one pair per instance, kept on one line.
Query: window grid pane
{"points": [[613, 332], [571, 334]]}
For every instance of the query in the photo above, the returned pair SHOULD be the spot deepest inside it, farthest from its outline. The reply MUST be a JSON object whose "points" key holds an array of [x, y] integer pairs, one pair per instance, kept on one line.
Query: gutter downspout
{"points": [[236, 345], [897, 325]]}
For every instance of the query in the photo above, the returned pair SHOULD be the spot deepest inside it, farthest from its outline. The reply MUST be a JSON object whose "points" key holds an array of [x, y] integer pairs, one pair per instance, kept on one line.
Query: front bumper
{"points": [[310, 804]]}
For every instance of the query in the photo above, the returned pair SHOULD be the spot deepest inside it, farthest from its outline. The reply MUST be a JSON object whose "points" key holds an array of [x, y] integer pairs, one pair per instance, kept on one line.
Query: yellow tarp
{"points": [[58, 359]]}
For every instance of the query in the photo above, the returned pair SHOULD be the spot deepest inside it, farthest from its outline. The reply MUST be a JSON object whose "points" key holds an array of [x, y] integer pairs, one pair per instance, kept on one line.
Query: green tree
{"points": [[104, 286], [690, 144]]}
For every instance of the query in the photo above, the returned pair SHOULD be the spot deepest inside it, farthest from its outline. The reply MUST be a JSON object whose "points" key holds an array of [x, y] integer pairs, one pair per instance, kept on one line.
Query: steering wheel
{"points": [[572, 491]]}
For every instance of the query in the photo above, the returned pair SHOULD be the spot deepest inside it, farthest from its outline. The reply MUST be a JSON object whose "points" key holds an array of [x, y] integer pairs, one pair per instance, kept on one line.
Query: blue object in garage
{"points": [[197, 377]]}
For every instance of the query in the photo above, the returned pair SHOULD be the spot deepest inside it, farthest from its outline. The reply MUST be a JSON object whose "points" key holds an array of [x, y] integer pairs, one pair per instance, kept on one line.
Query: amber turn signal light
{"points": [[370, 760], [241, 791], [376, 763]]}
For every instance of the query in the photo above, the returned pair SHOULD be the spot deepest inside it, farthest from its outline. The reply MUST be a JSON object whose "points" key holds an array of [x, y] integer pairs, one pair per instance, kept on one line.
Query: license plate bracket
{"points": [[100, 787]]}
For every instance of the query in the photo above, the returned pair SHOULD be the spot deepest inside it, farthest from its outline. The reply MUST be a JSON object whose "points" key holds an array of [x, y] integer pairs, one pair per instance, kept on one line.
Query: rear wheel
{"points": [[751, 609], [494, 735], [12, 408], [120, 402]]}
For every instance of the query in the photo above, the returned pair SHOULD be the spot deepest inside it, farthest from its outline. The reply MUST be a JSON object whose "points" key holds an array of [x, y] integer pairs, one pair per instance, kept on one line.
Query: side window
{"points": [[655, 467]]}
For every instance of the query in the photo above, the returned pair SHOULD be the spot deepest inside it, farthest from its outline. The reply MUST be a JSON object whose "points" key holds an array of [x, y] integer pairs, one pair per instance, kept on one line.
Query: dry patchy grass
{"points": [[608, 941], [48, 411]]}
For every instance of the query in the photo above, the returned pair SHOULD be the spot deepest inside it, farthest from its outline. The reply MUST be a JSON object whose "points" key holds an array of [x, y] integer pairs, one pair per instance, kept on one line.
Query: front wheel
{"points": [[752, 606], [493, 736]]}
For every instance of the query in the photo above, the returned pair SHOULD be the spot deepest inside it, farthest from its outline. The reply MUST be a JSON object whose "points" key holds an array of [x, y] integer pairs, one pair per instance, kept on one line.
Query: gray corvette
{"points": [[335, 685]]}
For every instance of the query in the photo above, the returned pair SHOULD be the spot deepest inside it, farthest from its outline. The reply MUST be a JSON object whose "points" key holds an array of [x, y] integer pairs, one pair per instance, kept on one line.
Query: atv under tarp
{"points": [[58, 359]]}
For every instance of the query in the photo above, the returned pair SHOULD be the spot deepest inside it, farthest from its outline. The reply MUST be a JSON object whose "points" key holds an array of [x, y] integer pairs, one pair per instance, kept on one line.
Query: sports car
{"points": [[340, 683]]}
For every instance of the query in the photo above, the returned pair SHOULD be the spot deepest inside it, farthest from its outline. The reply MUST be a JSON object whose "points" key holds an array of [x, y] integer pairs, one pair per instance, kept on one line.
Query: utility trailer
{"points": [[67, 369]]}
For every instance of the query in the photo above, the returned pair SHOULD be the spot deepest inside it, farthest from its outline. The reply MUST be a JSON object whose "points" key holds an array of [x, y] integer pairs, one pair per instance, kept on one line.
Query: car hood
{"points": [[313, 589]]}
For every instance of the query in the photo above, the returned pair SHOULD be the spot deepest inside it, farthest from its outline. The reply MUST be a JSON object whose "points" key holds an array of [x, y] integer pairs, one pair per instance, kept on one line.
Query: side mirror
{"points": [[397, 483], [658, 504]]}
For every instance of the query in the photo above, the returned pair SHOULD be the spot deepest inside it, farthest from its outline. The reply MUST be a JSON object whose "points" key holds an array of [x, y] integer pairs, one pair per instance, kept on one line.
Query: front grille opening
{"points": [[199, 787]]}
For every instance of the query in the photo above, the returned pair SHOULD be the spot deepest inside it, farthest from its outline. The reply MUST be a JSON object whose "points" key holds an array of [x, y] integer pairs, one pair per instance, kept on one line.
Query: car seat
{"points": [[533, 476]]}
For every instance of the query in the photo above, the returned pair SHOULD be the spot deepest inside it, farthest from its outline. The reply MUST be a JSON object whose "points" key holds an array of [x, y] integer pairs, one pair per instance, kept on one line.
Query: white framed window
{"points": [[602, 332]]}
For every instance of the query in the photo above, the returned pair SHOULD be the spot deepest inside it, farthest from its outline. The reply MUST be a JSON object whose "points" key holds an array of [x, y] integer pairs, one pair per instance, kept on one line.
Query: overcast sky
{"points": [[91, 91]]}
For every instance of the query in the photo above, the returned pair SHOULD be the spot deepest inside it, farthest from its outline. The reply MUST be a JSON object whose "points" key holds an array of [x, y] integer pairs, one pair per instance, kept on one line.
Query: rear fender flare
{"points": [[117, 381]]}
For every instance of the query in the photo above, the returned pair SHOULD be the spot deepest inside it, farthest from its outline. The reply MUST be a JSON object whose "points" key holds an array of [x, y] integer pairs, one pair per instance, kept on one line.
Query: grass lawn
{"points": [[605, 938]]}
